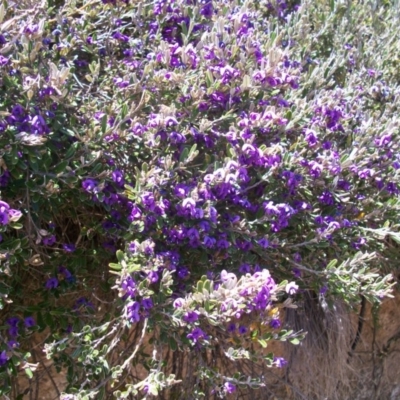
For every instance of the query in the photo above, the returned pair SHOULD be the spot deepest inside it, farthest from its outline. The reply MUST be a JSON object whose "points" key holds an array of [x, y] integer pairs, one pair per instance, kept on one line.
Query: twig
{"points": [[129, 359], [51, 378]]}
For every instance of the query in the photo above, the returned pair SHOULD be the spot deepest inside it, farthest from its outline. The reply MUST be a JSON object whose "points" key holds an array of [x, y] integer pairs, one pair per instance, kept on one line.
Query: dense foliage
{"points": [[187, 169]]}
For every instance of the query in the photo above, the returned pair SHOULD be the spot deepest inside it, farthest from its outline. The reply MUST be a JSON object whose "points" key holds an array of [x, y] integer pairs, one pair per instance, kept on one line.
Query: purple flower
{"points": [[192, 234], [358, 243], [228, 279], [327, 145], [264, 243], [3, 61], [12, 344], [153, 276], [90, 186], [229, 387], [62, 270], [39, 126], [82, 301], [344, 185], [13, 321], [108, 225], [3, 358], [222, 244], [383, 140], [115, 215], [13, 331], [297, 257], [178, 303], [213, 214], [279, 362], [365, 173], [49, 241], [183, 273], [147, 303], [18, 111], [133, 247], [296, 272], [244, 245], [315, 169], [188, 206], [209, 242], [244, 269], [4, 217], [118, 177], [311, 137], [148, 247], [51, 283], [133, 311], [69, 247], [392, 188], [191, 316], [121, 84], [323, 290], [242, 330], [291, 288], [207, 9], [219, 98], [136, 213], [181, 190], [170, 121], [129, 286], [271, 81], [6, 176], [196, 335], [148, 200], [326, 198], [80, 63], [275, 323], [29, 322]]}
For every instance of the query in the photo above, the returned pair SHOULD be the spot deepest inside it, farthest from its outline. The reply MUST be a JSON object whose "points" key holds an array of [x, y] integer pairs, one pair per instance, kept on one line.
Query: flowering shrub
{"points": [[188, 169]]}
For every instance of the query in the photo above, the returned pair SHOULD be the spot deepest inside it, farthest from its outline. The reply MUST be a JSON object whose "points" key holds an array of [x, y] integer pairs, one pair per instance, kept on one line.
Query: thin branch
{"points": [[129, 359]]}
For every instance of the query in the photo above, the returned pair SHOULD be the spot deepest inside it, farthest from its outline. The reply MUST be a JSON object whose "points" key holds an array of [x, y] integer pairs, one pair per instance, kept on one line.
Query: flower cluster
{"points": [[14, 325], [7, 214], [227, 302]]}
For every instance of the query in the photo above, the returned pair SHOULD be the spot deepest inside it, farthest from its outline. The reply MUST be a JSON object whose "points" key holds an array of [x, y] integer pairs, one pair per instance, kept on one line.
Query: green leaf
{"points": [[263, 343], [29, 373], [104, 124], [124, 111], [120, 255], [153, 390], [331, 264], [48, 320], [134, 267], [200, 286], [184, 28], [172, 344], [72, 150], [61, 167], [16, 225], [117, 267], [192, 151], [184, 155]]}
